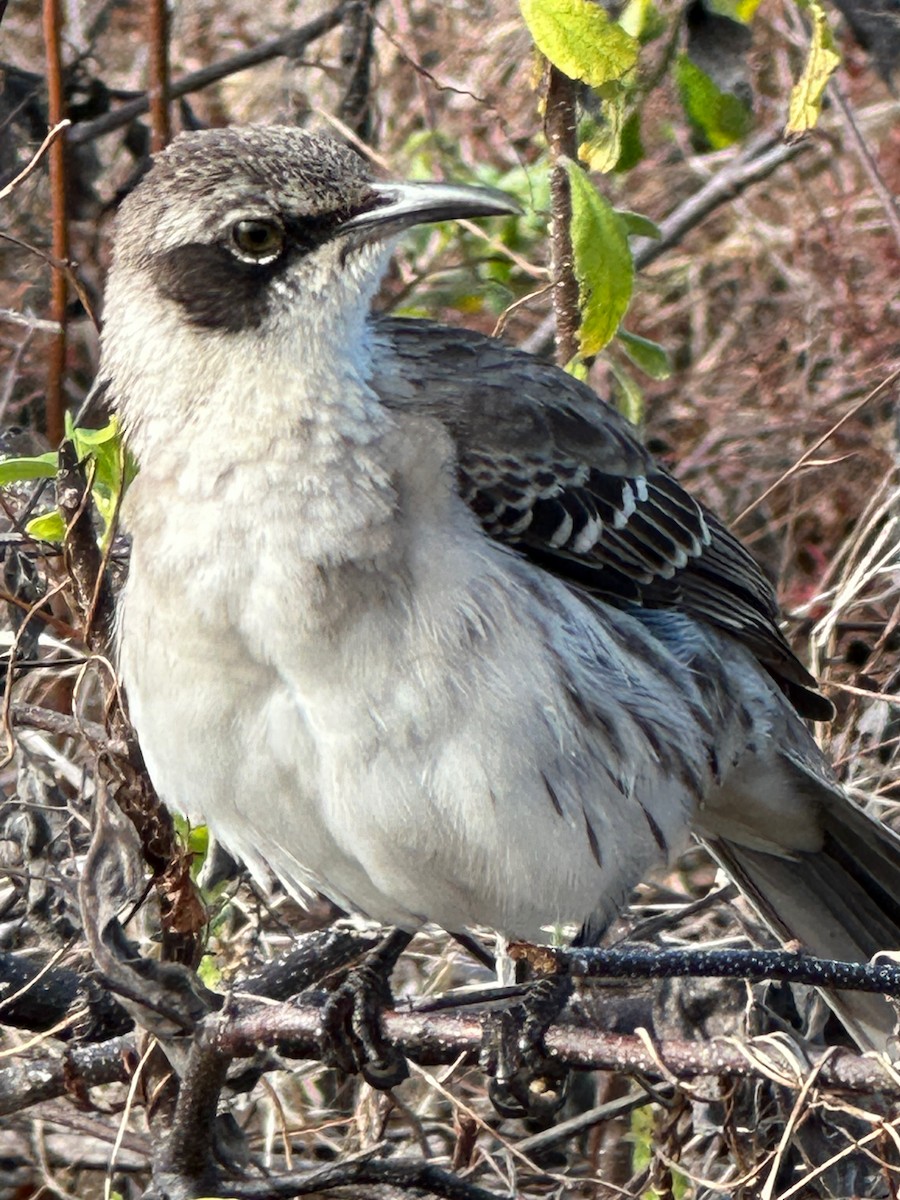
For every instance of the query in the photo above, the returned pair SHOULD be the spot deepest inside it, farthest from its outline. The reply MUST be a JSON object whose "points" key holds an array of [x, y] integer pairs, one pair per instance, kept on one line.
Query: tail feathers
{"points": [[840, 901]]}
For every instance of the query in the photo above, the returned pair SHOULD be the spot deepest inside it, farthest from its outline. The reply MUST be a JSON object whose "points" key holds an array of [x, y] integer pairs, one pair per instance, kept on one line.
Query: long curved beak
{"points": [[397, 206]]}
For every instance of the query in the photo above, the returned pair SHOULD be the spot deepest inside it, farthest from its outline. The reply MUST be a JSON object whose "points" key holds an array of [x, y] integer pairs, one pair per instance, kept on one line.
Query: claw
{"points": [[354, 1042], [525, 1081]]}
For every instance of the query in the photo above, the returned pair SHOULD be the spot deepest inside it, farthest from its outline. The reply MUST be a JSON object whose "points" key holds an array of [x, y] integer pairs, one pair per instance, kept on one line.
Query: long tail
{"points": [[841, 900]]}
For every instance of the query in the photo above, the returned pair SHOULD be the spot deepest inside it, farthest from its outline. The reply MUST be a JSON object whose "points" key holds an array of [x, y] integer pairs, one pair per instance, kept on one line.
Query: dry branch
{"points": [[289, 45], [158, 92], [357, 45], [433, 1039], [55, 403]]}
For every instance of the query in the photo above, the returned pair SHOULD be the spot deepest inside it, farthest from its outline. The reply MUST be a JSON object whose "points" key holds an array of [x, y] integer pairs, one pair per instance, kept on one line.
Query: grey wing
{"points": [[553, 471]]}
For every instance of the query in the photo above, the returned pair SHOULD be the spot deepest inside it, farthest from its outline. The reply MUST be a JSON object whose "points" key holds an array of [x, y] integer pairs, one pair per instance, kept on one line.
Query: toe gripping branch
{"points": [[525, 1080], [353, 1039]]}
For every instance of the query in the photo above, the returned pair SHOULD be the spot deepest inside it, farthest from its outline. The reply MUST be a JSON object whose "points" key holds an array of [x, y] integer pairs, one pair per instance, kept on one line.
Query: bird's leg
{"points": [[525, 1081], [352, 1016]]}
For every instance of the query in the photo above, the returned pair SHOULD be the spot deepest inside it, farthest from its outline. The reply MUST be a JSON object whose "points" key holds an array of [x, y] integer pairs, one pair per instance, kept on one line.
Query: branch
{"points": [[560, 118], [289, 45], [637, 962], [399, 1172], [77, 1069], [37, 995], [355, 108], [318, 955], [56, 103], [84, 564], [158, 93], [762, 156], [38, 998], [433, 1039], [35, 716]]}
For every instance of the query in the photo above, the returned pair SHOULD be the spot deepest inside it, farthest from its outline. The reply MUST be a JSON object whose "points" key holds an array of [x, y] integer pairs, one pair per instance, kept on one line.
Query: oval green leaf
{"points": [[638, 225], [578, 37], [649, 356], [50, 527], [17, 470], [717, 118], [603, 264]]}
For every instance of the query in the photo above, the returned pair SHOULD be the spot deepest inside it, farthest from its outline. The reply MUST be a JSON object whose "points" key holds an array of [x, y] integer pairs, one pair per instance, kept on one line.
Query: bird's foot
{"points": [[525, 1080], [354, 1041]]}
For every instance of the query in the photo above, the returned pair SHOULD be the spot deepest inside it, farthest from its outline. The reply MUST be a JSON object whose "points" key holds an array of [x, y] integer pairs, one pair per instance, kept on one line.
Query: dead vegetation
{"points": [[780, 313]]}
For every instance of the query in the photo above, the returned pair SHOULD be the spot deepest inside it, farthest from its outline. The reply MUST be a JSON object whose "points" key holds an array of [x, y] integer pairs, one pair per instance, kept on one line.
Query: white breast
{"points": [[393, 709]]}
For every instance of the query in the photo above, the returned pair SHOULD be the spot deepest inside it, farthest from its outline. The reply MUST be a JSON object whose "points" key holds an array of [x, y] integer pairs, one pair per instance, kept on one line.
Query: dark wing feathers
{"points": [[553, 471]]}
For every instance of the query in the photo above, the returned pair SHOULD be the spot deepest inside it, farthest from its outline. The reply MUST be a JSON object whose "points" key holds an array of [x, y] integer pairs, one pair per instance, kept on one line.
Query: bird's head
{"points": [[244, 265], [237, 227]]}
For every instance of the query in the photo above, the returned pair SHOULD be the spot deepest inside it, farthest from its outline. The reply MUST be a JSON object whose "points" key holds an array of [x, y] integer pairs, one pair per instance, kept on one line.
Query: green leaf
{"points": [[642, 19], [613, 142], [198, 841], [113, 467], [210, 973], [578, 37], [821, 63], [718, 118], [631, 143], [89, 439], [629, 396], [738, 10], [603, 264], [650, 357], [602, 147], [638, 225], [17, 470], [47, 528]]}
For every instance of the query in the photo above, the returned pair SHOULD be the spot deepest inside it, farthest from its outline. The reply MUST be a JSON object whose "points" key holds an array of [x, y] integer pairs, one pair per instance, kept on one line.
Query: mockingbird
{"points": [[412, 618]]}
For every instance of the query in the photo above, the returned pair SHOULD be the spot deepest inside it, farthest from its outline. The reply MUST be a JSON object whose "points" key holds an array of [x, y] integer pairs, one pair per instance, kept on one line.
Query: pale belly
{"points": [[462, 791]]}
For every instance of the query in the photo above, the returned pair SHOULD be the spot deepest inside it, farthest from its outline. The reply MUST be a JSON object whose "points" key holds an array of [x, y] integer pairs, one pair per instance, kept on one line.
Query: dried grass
{"points": [[780, 313]]}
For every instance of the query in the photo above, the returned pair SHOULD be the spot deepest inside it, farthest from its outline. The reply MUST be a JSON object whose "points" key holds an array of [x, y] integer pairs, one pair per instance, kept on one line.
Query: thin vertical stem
{"points": [[560, 118], [56, 360], [356, 64], [158, 92]]}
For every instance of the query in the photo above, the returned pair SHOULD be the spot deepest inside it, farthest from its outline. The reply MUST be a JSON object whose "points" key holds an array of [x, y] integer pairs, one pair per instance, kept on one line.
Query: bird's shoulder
{"points": [[551, 469]]}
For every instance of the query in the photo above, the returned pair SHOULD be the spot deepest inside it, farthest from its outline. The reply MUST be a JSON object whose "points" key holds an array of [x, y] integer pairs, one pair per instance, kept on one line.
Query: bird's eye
{"points": [[257, 239]]}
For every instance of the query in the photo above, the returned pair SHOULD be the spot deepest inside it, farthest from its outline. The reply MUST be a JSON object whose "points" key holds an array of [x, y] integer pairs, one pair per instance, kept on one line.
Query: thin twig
{"points": [[355, 108], [289, 45], [58, 264], [56, 365], [867, 161], [396, 1173], [808, 454], [158, 40], [23, 175]]}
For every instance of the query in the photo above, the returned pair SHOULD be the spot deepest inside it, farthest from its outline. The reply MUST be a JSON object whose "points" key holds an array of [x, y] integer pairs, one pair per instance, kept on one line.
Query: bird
{"points": [[413, 619]]}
